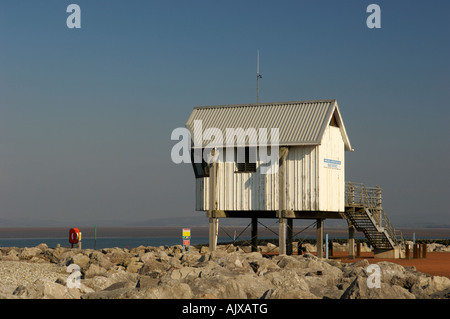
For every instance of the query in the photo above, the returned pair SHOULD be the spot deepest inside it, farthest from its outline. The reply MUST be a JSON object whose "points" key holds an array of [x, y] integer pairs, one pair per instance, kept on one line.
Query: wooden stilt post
{"points": [[213, 227], [282, 200], [330, 248], [282, 236], [416, 251], [319, 244], [351, 241], [254, 234], [290, 237], [213, 220]]}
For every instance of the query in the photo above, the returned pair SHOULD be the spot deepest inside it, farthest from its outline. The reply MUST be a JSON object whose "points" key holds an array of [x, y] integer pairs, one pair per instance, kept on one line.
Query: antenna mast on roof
{"points": [[258, 76]]}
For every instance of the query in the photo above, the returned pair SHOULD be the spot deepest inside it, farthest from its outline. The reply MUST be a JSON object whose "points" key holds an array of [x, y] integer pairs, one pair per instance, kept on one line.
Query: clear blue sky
{"points": [[86, 114]]}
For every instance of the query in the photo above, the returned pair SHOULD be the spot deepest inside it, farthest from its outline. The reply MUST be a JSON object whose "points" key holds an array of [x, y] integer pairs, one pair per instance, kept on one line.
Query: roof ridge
{"points": [[265, 104]]}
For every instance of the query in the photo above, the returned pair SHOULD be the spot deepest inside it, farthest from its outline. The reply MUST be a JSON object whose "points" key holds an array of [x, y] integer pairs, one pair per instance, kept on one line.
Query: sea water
{"points": [[133, 242], [120, 242], [100, 243]]}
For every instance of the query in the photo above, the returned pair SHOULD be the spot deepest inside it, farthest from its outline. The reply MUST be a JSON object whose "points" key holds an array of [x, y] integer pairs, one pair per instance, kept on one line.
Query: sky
{"points": [[86, 114]]}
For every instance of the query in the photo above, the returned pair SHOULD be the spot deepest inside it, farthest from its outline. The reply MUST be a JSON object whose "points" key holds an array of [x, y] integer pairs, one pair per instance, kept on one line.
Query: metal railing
{"points": [[358, 195]]}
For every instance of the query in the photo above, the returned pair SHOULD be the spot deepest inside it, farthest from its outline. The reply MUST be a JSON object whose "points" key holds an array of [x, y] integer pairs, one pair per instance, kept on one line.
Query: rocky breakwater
{"points": [[229, 272]]}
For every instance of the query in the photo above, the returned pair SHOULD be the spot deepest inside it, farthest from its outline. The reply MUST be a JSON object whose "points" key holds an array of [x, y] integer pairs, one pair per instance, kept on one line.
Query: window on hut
{"points": [[249, 165]]}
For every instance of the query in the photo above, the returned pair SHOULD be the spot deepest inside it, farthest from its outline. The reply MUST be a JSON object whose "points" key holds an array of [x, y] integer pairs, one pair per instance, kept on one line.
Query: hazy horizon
{"points": [[197, 220], [225, 231]]}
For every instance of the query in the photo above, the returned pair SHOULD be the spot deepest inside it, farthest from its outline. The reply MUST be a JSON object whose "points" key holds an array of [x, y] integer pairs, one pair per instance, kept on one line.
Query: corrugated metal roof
{"points": [[299, 122]]}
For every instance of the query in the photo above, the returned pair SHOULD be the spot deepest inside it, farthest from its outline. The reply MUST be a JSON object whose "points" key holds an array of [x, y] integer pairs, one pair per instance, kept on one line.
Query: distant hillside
{"points": [[202, 220], [196, 219]]}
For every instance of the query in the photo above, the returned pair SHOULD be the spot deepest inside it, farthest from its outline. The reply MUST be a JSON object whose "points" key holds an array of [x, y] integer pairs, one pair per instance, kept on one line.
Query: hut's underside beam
{"points": [[274, 214]]}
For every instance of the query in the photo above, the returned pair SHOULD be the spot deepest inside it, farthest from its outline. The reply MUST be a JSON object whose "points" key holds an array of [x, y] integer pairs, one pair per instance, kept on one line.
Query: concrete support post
{"points": [[290, 237], [282, 199], [254, 234], [351, 241], [319, 241], [213, 221], [282, 236], [213, 233]]}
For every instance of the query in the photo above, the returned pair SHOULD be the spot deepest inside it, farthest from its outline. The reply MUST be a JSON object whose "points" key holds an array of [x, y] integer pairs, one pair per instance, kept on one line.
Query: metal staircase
{"points": [[364, 210]]}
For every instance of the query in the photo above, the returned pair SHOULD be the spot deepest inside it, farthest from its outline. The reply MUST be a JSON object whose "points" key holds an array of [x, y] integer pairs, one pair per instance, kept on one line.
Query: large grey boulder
{"points": [[290, 294], [217, 286], [170, 290], [290, 262], [183, 273], [93, 270], [426, 286], [100, 259], [359, 289], [153, 264], [11, 255], [119, 293], [117, 255], [43, 289], [101, 282], [81, 260], [28, 253]]}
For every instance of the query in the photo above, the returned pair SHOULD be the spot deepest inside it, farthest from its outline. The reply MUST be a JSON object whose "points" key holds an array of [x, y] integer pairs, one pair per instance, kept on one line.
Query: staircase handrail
{"points": [[359, 194]]}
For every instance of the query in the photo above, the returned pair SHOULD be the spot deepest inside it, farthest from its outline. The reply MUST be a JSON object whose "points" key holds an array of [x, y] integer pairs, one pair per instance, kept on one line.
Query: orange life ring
{"points": [[74, 235]]}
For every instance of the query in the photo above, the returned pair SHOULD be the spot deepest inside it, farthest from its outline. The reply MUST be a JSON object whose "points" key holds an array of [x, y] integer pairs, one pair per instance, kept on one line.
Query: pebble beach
{"points": [[21, 273]]}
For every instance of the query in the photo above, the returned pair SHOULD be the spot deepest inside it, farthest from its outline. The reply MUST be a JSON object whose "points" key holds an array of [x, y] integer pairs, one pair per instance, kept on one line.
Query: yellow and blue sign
{"points": [[186, 238]]}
